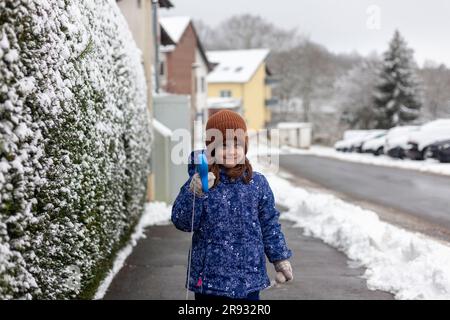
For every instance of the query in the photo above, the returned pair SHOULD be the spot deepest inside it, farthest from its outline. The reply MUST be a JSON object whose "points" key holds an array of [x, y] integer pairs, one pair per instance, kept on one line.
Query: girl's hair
{"points": [[243, 169]]}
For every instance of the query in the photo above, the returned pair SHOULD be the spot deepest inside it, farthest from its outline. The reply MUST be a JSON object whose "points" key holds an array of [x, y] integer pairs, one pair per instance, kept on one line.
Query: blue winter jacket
{"points": [[235, 226]]}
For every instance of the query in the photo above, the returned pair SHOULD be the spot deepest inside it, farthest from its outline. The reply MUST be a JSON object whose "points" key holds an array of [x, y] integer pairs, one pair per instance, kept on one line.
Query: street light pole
{"points": [[194, 106], [155, 5]]}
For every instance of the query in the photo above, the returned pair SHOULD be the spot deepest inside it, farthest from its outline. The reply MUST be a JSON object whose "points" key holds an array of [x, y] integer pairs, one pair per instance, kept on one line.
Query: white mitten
{"points": [[284, 271], [196, 183]]}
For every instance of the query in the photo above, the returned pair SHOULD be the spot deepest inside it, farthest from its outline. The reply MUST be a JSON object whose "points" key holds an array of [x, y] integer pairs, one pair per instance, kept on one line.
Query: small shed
{"points": [[295, 134]]}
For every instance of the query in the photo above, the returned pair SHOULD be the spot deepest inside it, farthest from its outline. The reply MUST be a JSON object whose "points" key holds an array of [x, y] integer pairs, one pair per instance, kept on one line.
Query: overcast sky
{"points": [[342, 25]]}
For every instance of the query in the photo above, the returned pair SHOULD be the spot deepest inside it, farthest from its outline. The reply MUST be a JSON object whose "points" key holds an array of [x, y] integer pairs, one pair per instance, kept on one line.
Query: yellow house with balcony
{"points": [[240, 81]]}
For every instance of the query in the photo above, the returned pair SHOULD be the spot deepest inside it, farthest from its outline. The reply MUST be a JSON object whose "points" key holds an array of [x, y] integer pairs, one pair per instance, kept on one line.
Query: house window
{"points": [[162, 68], [203, 84], [225, 93]]}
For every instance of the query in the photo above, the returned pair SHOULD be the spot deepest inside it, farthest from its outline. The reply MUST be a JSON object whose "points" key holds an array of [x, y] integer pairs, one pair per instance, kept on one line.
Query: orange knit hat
{"points": [[226, 119]]}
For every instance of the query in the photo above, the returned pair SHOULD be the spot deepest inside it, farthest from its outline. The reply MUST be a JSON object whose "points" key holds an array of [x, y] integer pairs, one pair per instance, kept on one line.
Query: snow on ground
{"points": [[409, 265], [430, 165], [155, 213]]}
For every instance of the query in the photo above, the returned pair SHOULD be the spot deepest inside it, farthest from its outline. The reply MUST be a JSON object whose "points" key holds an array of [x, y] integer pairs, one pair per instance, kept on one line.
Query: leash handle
{"points": [[202, 169]]}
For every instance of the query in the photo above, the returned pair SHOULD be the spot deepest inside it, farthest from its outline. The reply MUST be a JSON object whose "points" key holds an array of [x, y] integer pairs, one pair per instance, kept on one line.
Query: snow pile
{"points": [[429, 165], [74, 144], [409, 265], [155, 213]]}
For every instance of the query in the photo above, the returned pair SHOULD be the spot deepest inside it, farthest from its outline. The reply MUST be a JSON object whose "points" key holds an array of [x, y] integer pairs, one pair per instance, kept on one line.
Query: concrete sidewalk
{"points": [[156, 269]]}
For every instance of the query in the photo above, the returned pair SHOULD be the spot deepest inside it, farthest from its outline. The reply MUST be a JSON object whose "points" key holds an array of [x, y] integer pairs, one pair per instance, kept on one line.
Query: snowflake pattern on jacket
{"points": [[235, 227]]}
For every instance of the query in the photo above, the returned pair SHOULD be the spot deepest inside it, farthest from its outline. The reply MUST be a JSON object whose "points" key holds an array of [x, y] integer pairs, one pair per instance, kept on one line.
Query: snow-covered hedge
{"points": [[74, 144]]}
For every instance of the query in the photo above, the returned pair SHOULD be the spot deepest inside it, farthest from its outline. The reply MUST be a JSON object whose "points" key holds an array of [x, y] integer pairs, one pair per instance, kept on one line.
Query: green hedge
{"points": [[74, 144]]}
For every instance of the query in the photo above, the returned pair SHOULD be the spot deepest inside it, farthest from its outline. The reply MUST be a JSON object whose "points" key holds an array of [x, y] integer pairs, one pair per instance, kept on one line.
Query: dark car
{"points": [[429, 152], [413, 152], [397, 152], [420, 142], [432, 150], [443, 151]]}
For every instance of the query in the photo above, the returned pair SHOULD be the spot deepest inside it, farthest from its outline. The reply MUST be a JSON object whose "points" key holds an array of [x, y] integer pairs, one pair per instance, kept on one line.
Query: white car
{"points": [[375, 145], [343, 145], [397, 141], [355, 143], [340, 145], [420, 141], [349, 136]]}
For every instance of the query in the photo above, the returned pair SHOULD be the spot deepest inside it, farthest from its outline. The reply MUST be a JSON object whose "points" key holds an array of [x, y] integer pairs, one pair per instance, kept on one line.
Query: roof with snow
{"points": [[175, 26], [172, 29], [221, 102], [235, 65]]}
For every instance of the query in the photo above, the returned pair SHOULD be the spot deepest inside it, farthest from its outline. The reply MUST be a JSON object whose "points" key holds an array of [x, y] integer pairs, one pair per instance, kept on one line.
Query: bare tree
{"points": [[436, 79], [246, 32], [205, 33], [354, 95], [306, 71]]}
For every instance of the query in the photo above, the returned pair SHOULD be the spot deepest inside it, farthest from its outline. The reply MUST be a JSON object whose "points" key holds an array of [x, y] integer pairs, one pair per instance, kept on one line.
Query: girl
{"points": [[235, 223]]}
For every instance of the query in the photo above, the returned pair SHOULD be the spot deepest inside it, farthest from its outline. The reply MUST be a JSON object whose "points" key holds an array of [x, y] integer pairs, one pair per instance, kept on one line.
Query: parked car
{"points": [[341, 145], [375, 145], [443, 151], [420, 142], [345, 144], [397, 141], [357, 143], [356, 140], [432, 151]]}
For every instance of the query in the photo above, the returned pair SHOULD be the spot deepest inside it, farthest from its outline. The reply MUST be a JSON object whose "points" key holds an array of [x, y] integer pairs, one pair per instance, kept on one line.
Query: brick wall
{"points": [[179, 64]]}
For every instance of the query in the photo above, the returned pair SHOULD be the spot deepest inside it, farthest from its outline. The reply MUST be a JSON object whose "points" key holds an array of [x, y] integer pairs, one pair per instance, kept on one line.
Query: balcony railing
{"points": [[271, 81], [272, 102]]}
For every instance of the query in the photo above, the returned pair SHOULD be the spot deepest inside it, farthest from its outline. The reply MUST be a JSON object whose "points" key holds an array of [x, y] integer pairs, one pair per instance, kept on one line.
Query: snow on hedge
{"points": [[74, 144]]}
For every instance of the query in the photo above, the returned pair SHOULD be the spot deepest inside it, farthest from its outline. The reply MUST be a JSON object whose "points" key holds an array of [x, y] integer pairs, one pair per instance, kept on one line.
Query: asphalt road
{"points": [[156, 269], [426, 196]]}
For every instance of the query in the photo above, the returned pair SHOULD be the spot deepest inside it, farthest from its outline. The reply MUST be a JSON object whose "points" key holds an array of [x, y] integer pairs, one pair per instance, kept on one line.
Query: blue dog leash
{"points": [[201, 167]]}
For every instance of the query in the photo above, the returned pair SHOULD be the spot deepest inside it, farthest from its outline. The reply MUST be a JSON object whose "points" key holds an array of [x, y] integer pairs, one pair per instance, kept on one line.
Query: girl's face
{"points": [[230, 154]]}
